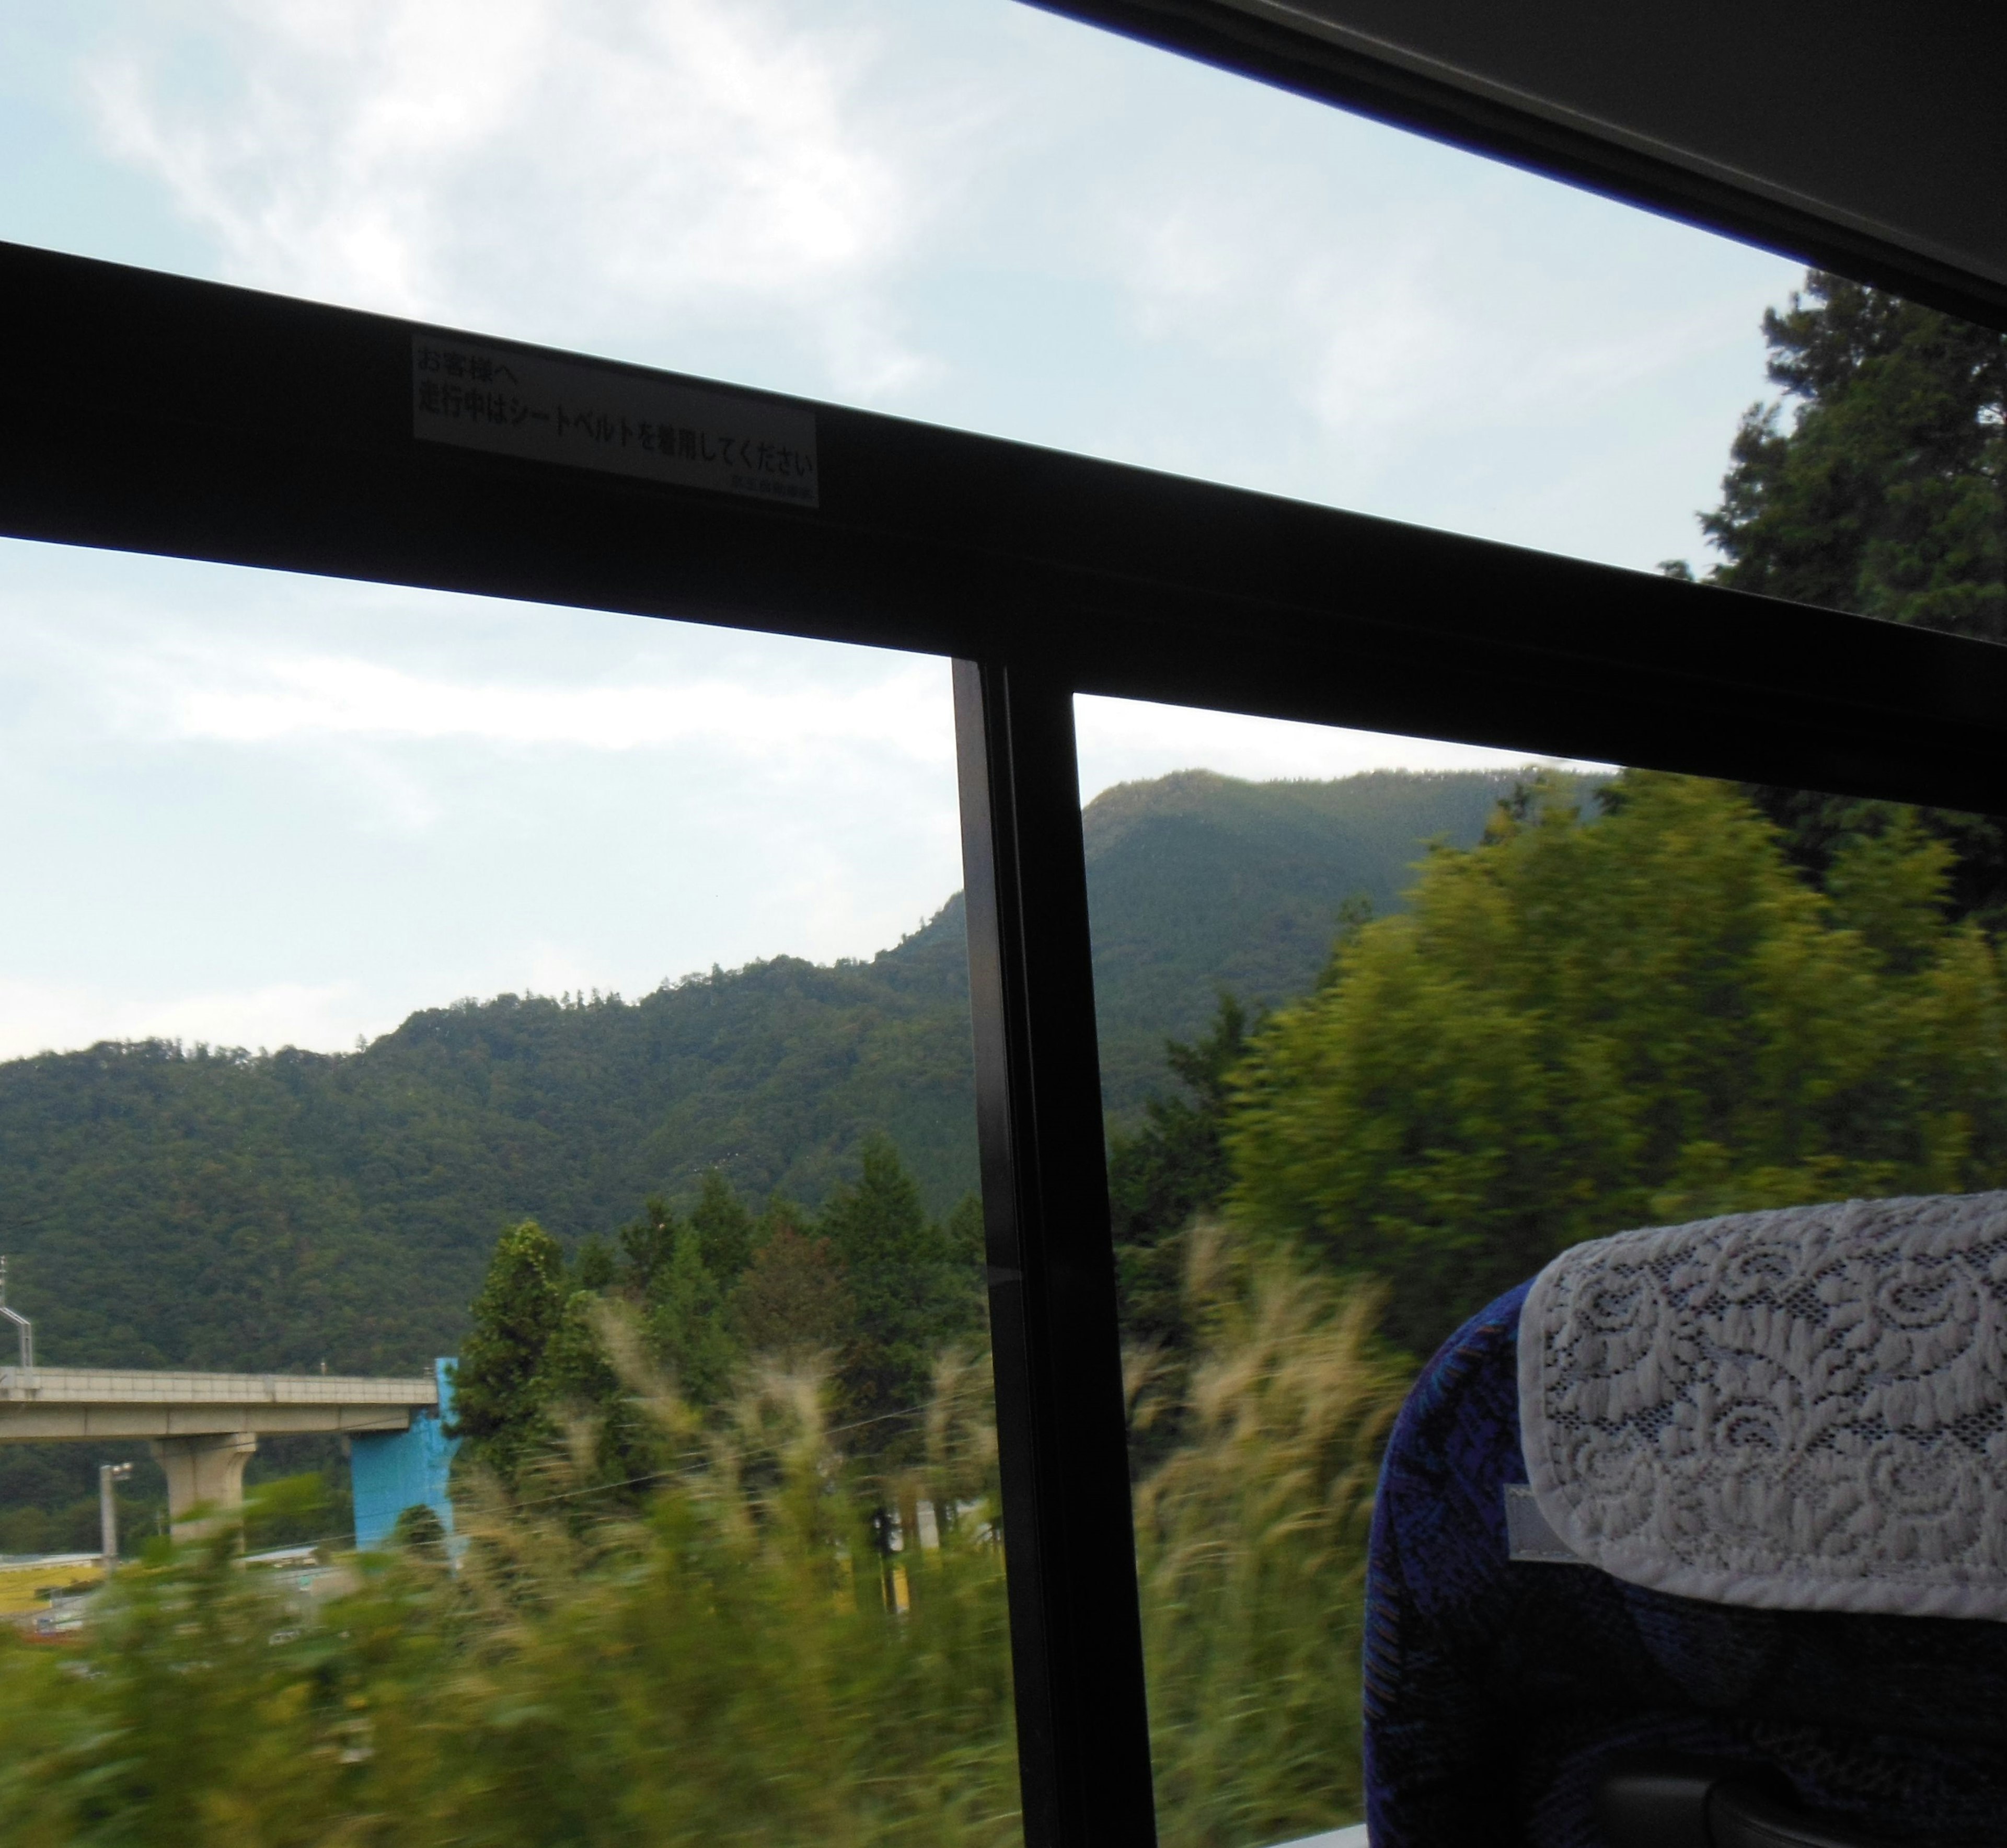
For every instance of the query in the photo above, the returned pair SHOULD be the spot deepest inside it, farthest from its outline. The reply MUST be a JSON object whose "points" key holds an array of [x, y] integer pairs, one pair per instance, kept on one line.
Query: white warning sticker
{"points": [[512, 403]]}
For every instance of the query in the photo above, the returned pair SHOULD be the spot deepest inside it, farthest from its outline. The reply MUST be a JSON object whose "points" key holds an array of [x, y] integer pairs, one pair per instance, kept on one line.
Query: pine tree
{"points": [[1164, 1175], [581, 1390], [686, 1324], [418, 1530], [965, 1277], [500, 1401], [792, 1302], [1885, 494], [893, 1261], [647, 1244], [724, 1227], [596, 1267]]}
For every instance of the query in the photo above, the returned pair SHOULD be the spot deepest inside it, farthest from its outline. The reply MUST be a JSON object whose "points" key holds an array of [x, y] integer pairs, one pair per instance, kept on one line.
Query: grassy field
{"points": [[25, 1588]]}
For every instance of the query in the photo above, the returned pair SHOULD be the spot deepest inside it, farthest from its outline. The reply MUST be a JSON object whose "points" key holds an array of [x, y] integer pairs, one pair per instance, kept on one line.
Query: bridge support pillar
{"points": [[205, 1471]]}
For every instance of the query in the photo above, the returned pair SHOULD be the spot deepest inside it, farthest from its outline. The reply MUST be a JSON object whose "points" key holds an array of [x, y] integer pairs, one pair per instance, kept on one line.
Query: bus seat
{"points": [[1700, 1537]]}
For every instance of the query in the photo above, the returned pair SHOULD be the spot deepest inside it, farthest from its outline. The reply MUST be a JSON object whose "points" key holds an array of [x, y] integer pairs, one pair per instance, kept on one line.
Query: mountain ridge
{"points": [[206, 1205]]}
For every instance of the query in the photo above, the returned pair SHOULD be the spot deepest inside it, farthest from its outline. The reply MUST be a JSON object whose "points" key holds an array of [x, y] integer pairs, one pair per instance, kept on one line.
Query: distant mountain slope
{"points": [[210, 1209], [167, 1205], [1198, 882]]}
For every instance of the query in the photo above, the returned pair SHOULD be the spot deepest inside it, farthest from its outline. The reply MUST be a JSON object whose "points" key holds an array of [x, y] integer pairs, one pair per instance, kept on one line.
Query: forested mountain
{"points": [[1198, 882], [168, 1205]]}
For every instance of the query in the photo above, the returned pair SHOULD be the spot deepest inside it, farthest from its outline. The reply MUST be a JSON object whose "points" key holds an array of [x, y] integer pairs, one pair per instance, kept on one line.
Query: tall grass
{"points": [[727, 1667], [1251, 1546]]}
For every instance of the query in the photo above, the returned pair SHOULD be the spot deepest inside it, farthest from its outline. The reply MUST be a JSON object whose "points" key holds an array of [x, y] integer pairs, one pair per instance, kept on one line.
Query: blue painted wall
{"points": [[392, 1471]]}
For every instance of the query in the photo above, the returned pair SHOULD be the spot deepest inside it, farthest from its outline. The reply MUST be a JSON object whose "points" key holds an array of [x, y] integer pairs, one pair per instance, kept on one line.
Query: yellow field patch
{"points": [[19, 1584]]}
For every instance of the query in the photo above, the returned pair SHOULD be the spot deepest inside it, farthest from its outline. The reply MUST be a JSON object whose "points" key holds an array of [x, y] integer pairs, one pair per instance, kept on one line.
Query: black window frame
{"points": [[1718, 178], [155, 414]]}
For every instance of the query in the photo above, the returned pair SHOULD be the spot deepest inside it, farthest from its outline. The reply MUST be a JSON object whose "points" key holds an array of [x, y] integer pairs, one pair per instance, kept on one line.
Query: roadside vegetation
{"points": [[737, 1654]]}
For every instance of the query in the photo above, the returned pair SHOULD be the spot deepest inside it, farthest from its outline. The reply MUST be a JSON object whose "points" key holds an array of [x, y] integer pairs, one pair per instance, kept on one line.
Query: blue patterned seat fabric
{"points": [[1496, 1692]]}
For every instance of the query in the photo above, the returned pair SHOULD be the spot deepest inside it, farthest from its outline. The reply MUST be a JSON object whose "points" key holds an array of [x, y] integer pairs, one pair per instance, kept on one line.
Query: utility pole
{"points": [[108, 1510]]}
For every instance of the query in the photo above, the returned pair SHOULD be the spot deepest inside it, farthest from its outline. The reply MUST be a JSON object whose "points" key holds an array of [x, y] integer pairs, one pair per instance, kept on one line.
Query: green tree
{"points": [[792, 1302], [590, 1409], [646, 1245], [596, 1266], [686, 1324], [1821, 833], [893, 1261], [1164, 1175], [965, 1286], [1581, 1026], [499, 1396], [910, 1297], [725, 1227], [418, 1530], [1886, 493]]}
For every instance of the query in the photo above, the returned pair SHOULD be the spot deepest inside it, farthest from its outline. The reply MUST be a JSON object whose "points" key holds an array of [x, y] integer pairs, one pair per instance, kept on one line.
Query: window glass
{"points": [[1434, 1016], [973, 212], [966, 211], [391, 976]]}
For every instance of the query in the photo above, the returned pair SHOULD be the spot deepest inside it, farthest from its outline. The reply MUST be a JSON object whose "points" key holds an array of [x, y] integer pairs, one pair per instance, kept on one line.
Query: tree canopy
{"points": [[914, 1286], [176, 1205], [873, 1286], [1164, 1173], [1885, 491], [500, 1387], [1591, 1022]]}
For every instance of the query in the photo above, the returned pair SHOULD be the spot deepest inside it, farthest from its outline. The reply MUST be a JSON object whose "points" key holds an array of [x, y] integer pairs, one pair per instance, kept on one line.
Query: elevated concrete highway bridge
{"points": [[202, 1427]]}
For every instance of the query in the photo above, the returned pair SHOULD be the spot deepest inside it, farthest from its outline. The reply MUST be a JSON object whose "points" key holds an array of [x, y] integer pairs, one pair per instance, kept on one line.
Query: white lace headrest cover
{"points": [[1804, 1409]]}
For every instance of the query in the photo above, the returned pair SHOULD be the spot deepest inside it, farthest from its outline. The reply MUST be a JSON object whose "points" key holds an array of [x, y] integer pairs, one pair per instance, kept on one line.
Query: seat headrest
{"points": [[1805, 1408]]}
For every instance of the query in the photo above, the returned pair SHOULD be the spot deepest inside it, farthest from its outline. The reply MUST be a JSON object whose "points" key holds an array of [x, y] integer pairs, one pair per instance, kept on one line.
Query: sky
{"points": [[249, 809]]}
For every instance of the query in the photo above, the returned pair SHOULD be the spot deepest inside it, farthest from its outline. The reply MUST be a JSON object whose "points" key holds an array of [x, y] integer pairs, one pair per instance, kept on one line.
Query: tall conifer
{"points": [[724, 1227], [1886, 492], [893, 1261], [1883, 493], [498, 1396]]}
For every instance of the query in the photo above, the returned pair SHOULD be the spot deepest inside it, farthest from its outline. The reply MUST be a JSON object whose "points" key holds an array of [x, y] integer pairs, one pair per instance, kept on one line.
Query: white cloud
{"points": [[314, 805], [1389, 323], [533, 164], [36, 1017], [282, 1014], [332, 802], [198, 654], [310, 697], [975, 212], [1123, 740]]}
